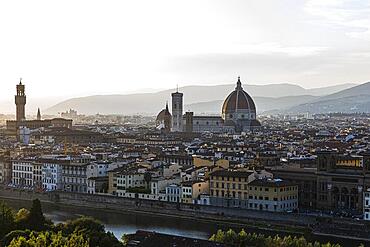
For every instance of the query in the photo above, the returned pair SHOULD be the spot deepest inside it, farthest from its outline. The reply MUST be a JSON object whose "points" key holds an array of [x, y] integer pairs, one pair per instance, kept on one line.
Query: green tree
{"points": [[218, 237], [230, 237], [22, 218], [49, 239], [6, 220], [13, 235], [92, 229], [244, 239], [36, 219]]}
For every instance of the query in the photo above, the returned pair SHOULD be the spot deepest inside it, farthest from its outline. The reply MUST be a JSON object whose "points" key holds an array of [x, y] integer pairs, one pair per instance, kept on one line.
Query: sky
{"points": [[75, 48]]}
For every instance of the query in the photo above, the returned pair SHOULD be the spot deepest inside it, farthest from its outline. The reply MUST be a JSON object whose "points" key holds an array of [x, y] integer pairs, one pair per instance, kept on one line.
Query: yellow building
{"points": [[349, 161], [190, 191], [229, 188], [202, 162], [274, 195]]}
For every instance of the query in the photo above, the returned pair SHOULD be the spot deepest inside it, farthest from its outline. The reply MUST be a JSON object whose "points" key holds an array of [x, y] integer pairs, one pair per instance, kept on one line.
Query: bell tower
{"points": [[20, 102], [177, 110]]}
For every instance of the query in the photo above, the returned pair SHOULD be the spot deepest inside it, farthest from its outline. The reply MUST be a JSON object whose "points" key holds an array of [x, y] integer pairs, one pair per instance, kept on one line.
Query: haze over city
{"points": [[80, 48]]}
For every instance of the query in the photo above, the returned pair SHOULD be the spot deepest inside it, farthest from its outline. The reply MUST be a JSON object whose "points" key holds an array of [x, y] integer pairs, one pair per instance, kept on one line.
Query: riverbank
{"points": [[222, 218]]}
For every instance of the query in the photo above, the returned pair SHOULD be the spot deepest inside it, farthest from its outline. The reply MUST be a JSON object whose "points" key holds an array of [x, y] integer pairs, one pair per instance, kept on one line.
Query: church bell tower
{"points": [[20, 102], [177, 110]]}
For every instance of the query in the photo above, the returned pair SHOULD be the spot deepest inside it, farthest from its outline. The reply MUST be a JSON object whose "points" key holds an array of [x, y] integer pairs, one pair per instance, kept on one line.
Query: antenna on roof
{"points": [[177, 88]]}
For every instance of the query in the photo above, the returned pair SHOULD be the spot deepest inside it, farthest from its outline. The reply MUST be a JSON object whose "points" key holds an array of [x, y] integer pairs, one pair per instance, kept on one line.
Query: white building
{"points": [[22, 173], [51, 176], [173, 193], [187, 192], [101, 168], [97, 169], [158, 185], [130, 179]]}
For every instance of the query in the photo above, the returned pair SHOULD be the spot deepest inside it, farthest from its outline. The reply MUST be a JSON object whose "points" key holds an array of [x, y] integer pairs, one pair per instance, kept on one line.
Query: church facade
{"points": [[238, 114]]}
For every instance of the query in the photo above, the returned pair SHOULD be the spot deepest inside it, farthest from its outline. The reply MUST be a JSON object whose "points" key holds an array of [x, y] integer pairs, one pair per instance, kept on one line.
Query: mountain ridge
{"points": [[152, 103]]}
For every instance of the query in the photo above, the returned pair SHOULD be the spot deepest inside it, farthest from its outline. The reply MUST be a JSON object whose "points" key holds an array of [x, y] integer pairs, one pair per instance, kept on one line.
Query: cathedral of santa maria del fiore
{"points": [[238, 114]]}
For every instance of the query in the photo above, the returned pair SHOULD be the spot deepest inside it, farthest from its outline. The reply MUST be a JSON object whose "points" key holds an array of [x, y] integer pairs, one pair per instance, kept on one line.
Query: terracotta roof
{"points": [[237, 100]]}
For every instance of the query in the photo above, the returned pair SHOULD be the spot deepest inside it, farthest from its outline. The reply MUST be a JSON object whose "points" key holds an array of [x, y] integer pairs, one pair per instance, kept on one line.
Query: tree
{"points": [[22, 218], [92, 229], [31, 228], [243, 239], [49, 239], [6, 219], [36, 220], [13, 235], [218, 237], [125, 239]]}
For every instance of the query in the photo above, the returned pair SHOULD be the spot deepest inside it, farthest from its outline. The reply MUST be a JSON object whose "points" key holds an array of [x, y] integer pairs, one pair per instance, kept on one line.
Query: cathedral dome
{"points": [[164, 114], [239, 105], [164, 119]]}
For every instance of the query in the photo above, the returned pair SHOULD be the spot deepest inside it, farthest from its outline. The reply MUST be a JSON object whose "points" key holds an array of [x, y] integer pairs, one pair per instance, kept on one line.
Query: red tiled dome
{"points": [[164, 114], [238, 100]]}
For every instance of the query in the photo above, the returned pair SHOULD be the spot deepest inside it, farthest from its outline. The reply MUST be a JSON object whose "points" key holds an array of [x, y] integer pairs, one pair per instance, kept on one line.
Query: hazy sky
{"points": [[77, 48]]}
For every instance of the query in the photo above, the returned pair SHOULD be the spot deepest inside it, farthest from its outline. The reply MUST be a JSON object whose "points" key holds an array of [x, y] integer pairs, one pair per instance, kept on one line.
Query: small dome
{"points": [[238, 100]]}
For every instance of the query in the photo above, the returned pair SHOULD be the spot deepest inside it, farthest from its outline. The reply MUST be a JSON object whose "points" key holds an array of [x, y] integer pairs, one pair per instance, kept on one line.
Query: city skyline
{"points": [[112, 49]]}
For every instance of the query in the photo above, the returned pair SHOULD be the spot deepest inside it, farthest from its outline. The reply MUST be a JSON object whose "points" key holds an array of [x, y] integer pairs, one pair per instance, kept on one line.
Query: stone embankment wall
{"points": [[118, 204], [128, 204], [11, 193]]}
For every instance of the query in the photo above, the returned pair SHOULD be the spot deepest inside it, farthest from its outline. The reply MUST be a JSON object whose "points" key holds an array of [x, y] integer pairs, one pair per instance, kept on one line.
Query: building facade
{"points": [[229, 188], [51, 175], [273, 195], [22, 174], [74, 177], [336, 184]]}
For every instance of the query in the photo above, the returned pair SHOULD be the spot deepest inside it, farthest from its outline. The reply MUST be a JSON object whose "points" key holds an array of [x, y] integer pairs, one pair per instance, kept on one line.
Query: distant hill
{"points": [[355, 99], [263, 104], [152, 103]]}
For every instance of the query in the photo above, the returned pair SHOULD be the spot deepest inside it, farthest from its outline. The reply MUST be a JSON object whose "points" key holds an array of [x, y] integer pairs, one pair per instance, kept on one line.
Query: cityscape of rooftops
{"points": [[185, 123]]}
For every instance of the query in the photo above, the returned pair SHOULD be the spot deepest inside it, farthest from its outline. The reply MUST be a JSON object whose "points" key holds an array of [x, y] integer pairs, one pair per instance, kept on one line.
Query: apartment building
{"points": [[229, 188], [275, 195]]}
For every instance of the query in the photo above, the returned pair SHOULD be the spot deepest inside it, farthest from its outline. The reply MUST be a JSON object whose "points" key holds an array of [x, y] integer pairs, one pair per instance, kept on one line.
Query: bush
{"points": [[244, 239]]}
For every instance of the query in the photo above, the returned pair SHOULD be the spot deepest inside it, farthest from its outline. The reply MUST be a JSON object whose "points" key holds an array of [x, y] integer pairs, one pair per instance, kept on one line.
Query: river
{"points": [[125, 223]]}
